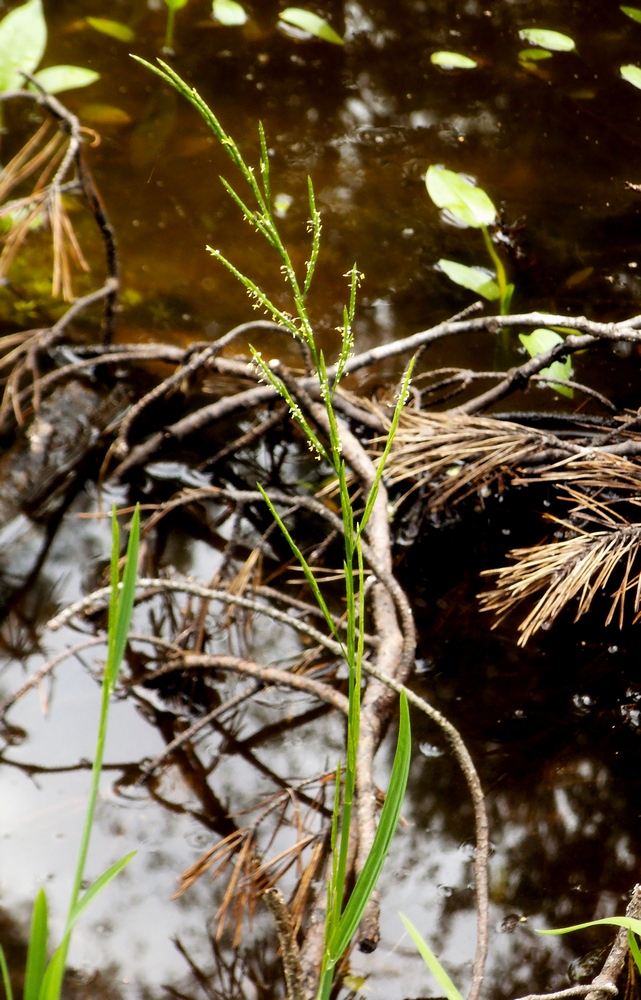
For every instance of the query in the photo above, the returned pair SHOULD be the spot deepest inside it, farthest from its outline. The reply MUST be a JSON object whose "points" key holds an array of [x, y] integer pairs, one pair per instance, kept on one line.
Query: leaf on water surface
{"points": [[468, 203], [104, 114], [115, 29], [540, 341], [632, 12], [311, 23], [452, 60], [23, 39], [55, 79], [555, 41], [229, 13], [632, 74], [477, 279], [534, 55]]}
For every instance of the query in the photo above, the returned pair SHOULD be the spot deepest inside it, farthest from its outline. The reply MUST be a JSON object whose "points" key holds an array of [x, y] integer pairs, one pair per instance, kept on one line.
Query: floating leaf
{"points": [[311, 23], [452, 60], [23, 39], [115, 29], [534, 55], [228, 12], [55, 79], [546, 39], [632, 74], [477, 279], [539, 342], [632, 12], [104, 114], [468, 203]]}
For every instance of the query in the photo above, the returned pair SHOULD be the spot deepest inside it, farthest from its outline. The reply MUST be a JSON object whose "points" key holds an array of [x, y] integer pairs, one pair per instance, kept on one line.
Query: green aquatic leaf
{"points": [[431, 961], [632, 74], [452, 60], [37, 951], [630, 923], [539, 342], [468, 203], [477, 279], [632, 12], [115, 29], [311, 23], [23, 39], [546, 39], [55, 79], [229, 13], [534, 55], [176, 4]]}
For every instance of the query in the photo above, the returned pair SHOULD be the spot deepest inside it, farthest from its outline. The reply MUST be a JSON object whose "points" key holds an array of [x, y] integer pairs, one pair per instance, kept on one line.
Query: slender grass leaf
{"points": [[23, 39], [37, 950], [371, 870], [96, 887], [115, 29], [477, 279], [534, 55], [634, 950], [468, 203], [452, 60], [229, 13], [51, 987], [6, 980], [630, 923], [311, 23], [554, 41], [632, 74], [632, 12], [431, 961], [126, 599], [55, 79]]}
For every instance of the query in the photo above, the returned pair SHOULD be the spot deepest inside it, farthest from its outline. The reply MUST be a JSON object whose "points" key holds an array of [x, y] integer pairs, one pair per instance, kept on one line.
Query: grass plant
{"points": [[344, 911], [43, 979]]}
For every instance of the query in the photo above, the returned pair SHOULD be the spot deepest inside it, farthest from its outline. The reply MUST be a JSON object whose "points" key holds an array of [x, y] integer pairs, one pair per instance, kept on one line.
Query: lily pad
{"points": [[468, 203], [311, 23], [452, 60], [534, 55], [55, 79], [554, 41]]}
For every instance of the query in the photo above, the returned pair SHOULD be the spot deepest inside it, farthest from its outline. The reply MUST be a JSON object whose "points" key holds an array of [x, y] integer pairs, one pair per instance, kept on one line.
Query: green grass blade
{"points": [[37, 950], [631, 923], [634, 950], [51, 986], [126, 600], [4, 969], [96, 887], [380, 848], [432, 962]]}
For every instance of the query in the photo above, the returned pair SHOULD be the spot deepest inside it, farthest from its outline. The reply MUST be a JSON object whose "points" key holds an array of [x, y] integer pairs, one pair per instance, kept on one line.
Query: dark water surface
{"points": [[555, 729]]}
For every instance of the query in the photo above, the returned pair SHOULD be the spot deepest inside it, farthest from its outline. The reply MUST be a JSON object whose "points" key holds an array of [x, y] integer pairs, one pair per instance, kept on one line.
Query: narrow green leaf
{"points": [[229, 13], [634, 950], [554, 41], [632, 12], [630, 923], [125, 601], [115, 29], [534, 55], [51, 987], [37, 951], [477, 279], [371, 870], [55, 79], [96, 887], [6, 979], [23, 39], [468, 203], [632, 74], [311, 23], [431, 961], [452, 60]]}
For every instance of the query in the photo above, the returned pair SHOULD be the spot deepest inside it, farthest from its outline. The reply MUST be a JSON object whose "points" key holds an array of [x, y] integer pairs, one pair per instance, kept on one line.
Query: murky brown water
{"points": [[554, 729]]}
